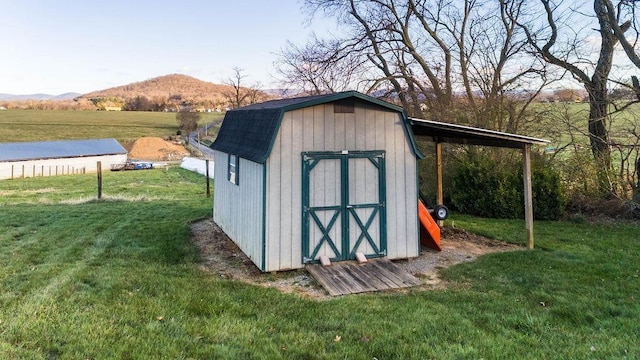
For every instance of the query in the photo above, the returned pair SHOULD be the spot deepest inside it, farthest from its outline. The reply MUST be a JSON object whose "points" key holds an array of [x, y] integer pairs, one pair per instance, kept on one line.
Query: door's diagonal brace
{"points": [[364, 230], [325, 233]]}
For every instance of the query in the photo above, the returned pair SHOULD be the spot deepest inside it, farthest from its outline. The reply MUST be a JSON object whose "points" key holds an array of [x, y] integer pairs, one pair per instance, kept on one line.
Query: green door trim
{"points": [[325, 231], [364, 230], [347, 210]]}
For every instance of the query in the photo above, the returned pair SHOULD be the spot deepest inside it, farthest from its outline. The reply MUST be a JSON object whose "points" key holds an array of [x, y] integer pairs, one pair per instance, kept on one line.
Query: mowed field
{"points": [[120, 279], [124, 126]]}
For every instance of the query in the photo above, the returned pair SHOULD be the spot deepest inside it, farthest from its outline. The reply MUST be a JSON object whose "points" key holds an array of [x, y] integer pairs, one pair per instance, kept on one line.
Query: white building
{"points": [[331, 175], [51, 158]]}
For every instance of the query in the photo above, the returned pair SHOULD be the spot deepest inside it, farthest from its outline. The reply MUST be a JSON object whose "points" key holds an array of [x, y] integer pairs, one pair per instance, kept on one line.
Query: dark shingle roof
{"points": [[249, 131], [59, 149]]}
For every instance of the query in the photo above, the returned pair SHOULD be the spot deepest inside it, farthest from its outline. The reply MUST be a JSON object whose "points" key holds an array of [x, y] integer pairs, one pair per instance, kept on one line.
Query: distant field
{"points": [[42, 125], [553, 123]]}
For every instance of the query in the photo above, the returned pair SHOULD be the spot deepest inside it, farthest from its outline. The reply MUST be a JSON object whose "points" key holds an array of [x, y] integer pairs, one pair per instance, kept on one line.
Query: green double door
{"points": [[343, 205]]}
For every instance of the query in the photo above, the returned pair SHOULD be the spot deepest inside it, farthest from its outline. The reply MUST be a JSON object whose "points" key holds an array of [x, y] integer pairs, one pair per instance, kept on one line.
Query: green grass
{"points": [[556, 115], [119, 278], [124, 126]]}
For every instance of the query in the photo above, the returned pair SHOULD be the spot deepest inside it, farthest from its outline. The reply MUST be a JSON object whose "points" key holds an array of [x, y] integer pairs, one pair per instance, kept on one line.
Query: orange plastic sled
{"points": [[429, 229]]}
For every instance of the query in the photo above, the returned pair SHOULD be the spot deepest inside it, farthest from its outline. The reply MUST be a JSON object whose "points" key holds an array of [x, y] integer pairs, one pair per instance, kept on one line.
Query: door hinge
{"points": [[306, 260]]}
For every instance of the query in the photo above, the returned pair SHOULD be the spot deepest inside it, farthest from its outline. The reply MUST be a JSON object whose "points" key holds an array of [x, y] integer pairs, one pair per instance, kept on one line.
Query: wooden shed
{"points": [[331, 175]]}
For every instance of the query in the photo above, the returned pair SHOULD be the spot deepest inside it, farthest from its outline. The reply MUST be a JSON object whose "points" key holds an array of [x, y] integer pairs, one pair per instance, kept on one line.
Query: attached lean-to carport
{"points": [[440, 133]]}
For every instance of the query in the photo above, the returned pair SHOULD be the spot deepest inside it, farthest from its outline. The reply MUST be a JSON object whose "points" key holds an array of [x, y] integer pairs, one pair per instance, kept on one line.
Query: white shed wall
{"points": [[238, 209], [59, 166], [318, 128]]}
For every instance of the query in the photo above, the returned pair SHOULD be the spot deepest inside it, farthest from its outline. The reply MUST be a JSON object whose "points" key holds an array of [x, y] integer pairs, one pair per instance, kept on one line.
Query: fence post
{"points": [[99, 169], [206, 164], [12, 170]]}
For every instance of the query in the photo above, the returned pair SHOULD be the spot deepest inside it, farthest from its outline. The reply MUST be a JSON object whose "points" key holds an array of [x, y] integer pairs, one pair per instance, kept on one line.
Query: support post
{"points": [[439, 191], [99, 170], [206, 164], [528, 194]]}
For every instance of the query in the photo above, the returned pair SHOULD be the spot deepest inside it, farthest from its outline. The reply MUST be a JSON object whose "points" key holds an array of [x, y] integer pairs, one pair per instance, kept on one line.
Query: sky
{"points": [[60, 46]]}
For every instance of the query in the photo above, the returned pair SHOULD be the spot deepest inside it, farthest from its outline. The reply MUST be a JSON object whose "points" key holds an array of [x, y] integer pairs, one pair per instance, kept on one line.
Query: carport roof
{"points": [[59, 149], [452, 133]]}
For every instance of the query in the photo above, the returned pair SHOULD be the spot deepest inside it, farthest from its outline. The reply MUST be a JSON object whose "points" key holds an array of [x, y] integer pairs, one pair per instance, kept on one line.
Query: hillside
{"points": [[168, 89]]}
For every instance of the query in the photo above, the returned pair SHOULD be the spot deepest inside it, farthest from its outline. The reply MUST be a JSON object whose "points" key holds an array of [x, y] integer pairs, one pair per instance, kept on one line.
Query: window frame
{"points": [[233, 165]]}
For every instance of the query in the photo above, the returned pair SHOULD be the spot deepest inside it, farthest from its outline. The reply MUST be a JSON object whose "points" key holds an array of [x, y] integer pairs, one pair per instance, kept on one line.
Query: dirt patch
{"points": [[457, 246], [223, 258], [156, 149]]}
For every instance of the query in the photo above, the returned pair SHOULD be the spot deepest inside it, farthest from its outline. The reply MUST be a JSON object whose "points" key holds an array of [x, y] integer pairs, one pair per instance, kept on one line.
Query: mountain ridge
{"points": [[163, 93], [173, 86]]}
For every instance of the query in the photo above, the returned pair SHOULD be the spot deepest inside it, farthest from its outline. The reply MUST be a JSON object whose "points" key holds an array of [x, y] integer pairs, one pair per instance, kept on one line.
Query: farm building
{"points": [[331, 175], [50, 158]]}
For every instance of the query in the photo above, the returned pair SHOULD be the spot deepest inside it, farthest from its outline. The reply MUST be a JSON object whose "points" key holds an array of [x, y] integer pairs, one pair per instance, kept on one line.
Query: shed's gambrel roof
{"points": [[250, 131], [59, 149]]}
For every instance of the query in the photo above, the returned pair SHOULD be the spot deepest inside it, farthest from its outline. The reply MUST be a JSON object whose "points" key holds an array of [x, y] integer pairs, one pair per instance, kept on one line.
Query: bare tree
{"points": [[453, 61], [237, 95], [241, 94], [323, 66], [560, 41], [615, 15]]}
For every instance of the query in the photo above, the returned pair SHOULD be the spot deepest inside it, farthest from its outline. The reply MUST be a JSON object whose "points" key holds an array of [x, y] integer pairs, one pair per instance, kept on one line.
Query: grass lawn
{"points": [[125, 126], [81, 279]]}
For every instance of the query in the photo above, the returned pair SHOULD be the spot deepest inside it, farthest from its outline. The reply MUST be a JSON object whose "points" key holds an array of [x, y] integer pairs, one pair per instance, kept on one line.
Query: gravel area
{"points": [[221, 257]]}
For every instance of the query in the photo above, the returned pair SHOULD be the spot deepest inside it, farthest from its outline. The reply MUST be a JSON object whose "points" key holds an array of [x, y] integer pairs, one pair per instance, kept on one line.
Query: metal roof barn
{"points": [[49, 158], [59, 149]]}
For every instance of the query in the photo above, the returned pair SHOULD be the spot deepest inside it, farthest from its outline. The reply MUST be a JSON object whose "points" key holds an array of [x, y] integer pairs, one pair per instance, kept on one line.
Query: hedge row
{"points": [[480, 186]]}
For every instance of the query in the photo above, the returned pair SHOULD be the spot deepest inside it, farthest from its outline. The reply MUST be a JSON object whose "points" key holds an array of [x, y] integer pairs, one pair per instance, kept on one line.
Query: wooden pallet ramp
{"points": [[350, 277]]}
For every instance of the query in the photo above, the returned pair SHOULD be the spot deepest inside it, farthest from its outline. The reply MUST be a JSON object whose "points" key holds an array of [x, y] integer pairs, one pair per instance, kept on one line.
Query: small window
{"points": [[343, 107], [233, 169]]}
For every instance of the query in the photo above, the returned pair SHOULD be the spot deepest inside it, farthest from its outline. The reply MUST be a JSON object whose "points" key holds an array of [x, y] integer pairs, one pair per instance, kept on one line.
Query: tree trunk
{"points": [[599, 138]]}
